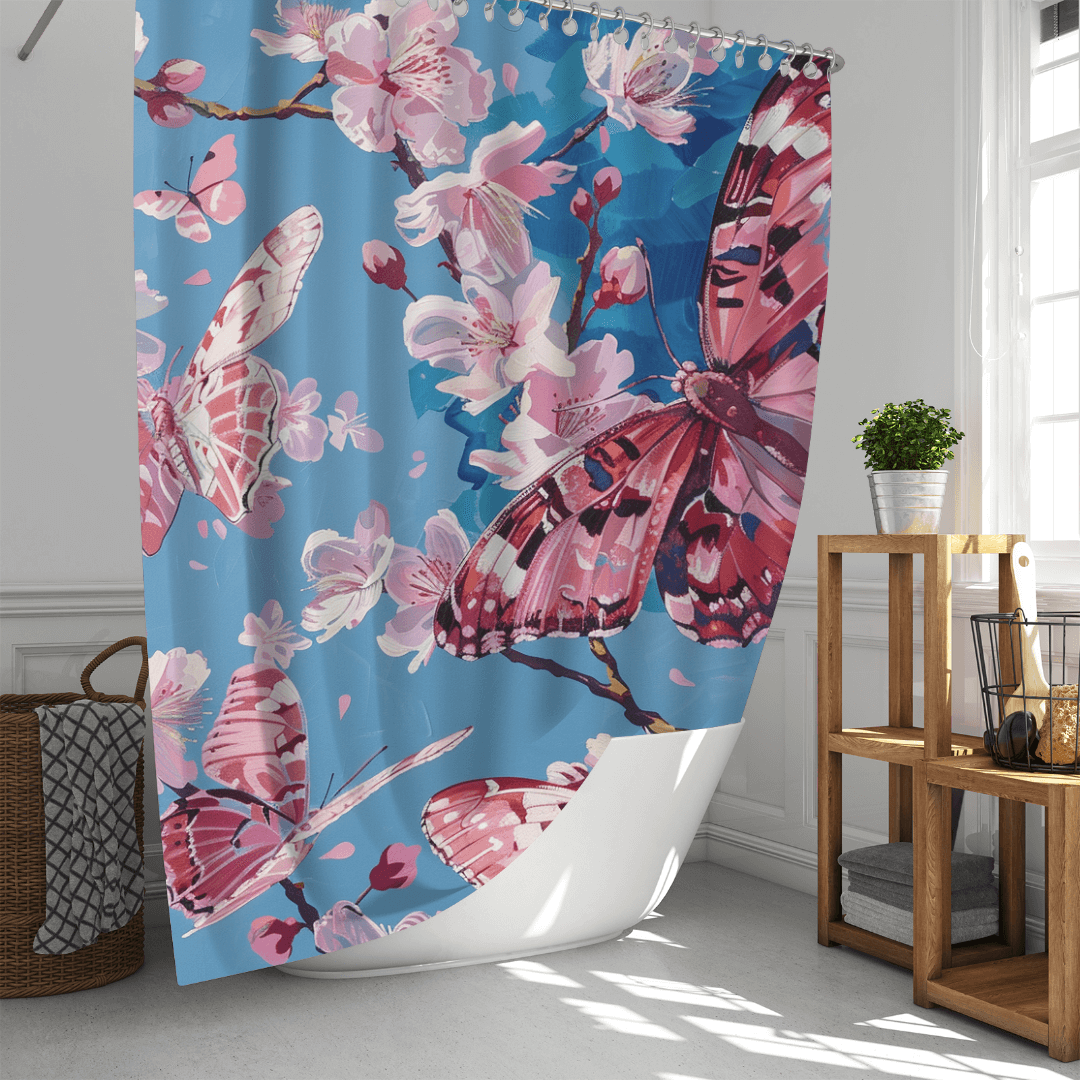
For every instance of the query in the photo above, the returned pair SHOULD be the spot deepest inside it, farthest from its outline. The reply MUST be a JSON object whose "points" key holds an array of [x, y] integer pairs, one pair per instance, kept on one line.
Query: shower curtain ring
{"points": [[830, 56], [489, 11], [646, 31], [460, 7], [810, 69], [621, 35], [594, 30], [718, 51], [692, 49], [670, 45], [765, 61], [402, 3], [543, 20], [569, 25], [785, 64], [740, 40], [517, 16]]}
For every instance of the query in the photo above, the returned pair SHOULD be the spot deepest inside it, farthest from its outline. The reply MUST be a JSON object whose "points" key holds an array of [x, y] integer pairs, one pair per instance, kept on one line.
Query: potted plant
{"points": [[905, 447]]}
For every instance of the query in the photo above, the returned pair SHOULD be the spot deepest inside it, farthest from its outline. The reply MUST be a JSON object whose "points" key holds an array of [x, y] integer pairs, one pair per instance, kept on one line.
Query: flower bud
{"points": [[607, 184], [182, 76], [396, 867], [622, 275], [385, 265], [168, 109], [272, 938], [581, 206]]}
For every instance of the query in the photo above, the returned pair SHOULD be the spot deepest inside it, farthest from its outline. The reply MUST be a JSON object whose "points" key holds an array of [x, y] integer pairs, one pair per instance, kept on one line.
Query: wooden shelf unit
{"points": [[1037, 997], [900, 743]]}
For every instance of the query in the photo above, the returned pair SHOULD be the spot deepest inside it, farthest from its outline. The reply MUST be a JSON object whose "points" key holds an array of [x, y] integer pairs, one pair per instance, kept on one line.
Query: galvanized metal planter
{"points": [[908, 500]]}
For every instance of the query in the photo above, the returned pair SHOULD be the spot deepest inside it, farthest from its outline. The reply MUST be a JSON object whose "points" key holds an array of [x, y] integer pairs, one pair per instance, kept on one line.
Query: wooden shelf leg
{"points": [[1063, 921], [932, 950], [901, 687], [1012, 862], [830, 719]]}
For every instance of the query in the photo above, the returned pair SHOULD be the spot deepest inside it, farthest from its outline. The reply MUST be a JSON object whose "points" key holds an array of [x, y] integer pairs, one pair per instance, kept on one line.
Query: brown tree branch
{"points": [[414, 171], [579, 136], [213, 110], [574, 325]]}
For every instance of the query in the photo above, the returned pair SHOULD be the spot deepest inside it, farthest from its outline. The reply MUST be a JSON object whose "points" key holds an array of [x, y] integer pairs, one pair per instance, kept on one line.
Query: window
{"points": [[1052, 176], [1020, 378]]}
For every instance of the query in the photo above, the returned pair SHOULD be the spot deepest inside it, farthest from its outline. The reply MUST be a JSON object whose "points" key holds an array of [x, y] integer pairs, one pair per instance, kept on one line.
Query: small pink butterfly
{"points": [[704, 491], [213, 430], [210, 194], [226, 846]]}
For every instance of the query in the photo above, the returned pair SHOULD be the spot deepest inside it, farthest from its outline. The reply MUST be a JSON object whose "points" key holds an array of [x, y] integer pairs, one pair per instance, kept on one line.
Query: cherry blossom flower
{"points": [[273, 639], [352, 425], [396, 868], [385, 265], [272, 938], [149, 350], [141, 40], [348, 572], [484, 209], [175, 78], [399, 73], [176, 677], [266, 507], [645, 84], [607, 185], [491, 340], [345, 924], [301, 433], [558, 415], [622, 275], [416, 581], [305, 27]]}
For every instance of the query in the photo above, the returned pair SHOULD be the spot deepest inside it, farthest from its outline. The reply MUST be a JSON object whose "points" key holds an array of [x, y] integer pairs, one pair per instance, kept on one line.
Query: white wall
{"points": [[70, 577]]}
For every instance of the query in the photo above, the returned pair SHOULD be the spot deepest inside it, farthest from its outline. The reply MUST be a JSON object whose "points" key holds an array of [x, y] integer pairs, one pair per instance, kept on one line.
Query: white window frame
{"points": [[993, 331]]}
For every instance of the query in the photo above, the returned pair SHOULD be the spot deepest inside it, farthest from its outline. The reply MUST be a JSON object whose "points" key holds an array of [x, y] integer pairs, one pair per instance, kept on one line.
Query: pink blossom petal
{"points": [[509, 77], [201, 278], [605, 139], [203, 531], [219, 528], [343, 704], [344, 850], [418, 471], [418, 455], [679, 679], [196, 565]]}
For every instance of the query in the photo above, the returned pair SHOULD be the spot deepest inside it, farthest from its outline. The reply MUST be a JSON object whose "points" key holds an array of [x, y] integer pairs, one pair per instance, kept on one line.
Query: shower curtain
{"points": [[476, 367]]}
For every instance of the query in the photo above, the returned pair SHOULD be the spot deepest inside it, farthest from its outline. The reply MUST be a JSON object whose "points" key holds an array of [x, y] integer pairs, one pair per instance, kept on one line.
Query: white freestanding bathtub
{"points": [[605, 862]]}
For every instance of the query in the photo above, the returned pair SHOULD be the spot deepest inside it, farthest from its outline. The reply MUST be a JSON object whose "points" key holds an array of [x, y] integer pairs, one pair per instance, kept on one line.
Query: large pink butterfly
{"points": [[211, 194], [213, 430], [224, 847], [706, 490], [479, 827]]}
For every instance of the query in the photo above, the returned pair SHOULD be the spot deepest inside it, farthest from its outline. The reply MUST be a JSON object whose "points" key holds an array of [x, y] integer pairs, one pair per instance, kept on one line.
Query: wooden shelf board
{"points": [[1012, 994], [900, 745], [917, 544], [896, 952], [981, 774]]}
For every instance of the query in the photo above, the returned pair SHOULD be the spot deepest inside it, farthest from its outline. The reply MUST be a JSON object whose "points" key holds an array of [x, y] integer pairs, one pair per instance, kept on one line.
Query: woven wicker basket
{"points": [[23, 973]]}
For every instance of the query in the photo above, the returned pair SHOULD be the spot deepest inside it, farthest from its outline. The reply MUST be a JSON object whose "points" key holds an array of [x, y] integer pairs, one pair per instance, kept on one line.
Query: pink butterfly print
{"points": [[226, 846], [213, 430], [479, 827], [704, 491], [211, 194]]}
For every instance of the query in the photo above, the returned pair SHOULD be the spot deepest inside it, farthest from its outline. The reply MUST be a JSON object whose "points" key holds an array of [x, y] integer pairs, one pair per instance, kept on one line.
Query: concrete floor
{"points": [[726, 980]]}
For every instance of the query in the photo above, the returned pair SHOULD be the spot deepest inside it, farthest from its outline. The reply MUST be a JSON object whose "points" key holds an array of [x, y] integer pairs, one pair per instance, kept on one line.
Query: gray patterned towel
{"points": [[93, 866]]}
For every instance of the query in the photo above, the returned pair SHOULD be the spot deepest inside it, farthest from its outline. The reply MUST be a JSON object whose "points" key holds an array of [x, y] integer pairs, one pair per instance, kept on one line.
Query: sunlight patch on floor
{"points": [[914, 1024], [619, 1018], [531, 971], [709, 997], [646, 935]]}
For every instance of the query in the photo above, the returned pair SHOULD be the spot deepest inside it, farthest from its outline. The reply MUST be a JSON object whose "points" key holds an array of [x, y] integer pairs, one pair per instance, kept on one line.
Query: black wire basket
{"points": [[1029, 725]]}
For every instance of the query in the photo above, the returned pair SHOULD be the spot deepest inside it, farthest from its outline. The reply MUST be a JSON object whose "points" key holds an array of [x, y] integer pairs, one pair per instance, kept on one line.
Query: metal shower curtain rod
{"points": [[39, 29], [715, 34]]}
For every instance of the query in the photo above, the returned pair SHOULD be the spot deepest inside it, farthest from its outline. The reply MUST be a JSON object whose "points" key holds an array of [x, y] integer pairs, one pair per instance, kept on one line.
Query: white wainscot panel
{"points": [[754, 777]]}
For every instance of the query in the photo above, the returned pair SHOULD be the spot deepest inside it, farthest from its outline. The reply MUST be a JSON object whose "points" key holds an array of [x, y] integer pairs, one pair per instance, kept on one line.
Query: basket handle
{"points": [[144, 673]]}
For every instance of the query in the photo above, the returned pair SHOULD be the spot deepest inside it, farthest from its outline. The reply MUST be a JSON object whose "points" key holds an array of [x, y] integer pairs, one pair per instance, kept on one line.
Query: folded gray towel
{"points": [[93, 865], [903, 896], [960, 919], [893, 862], [907, 934]]}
